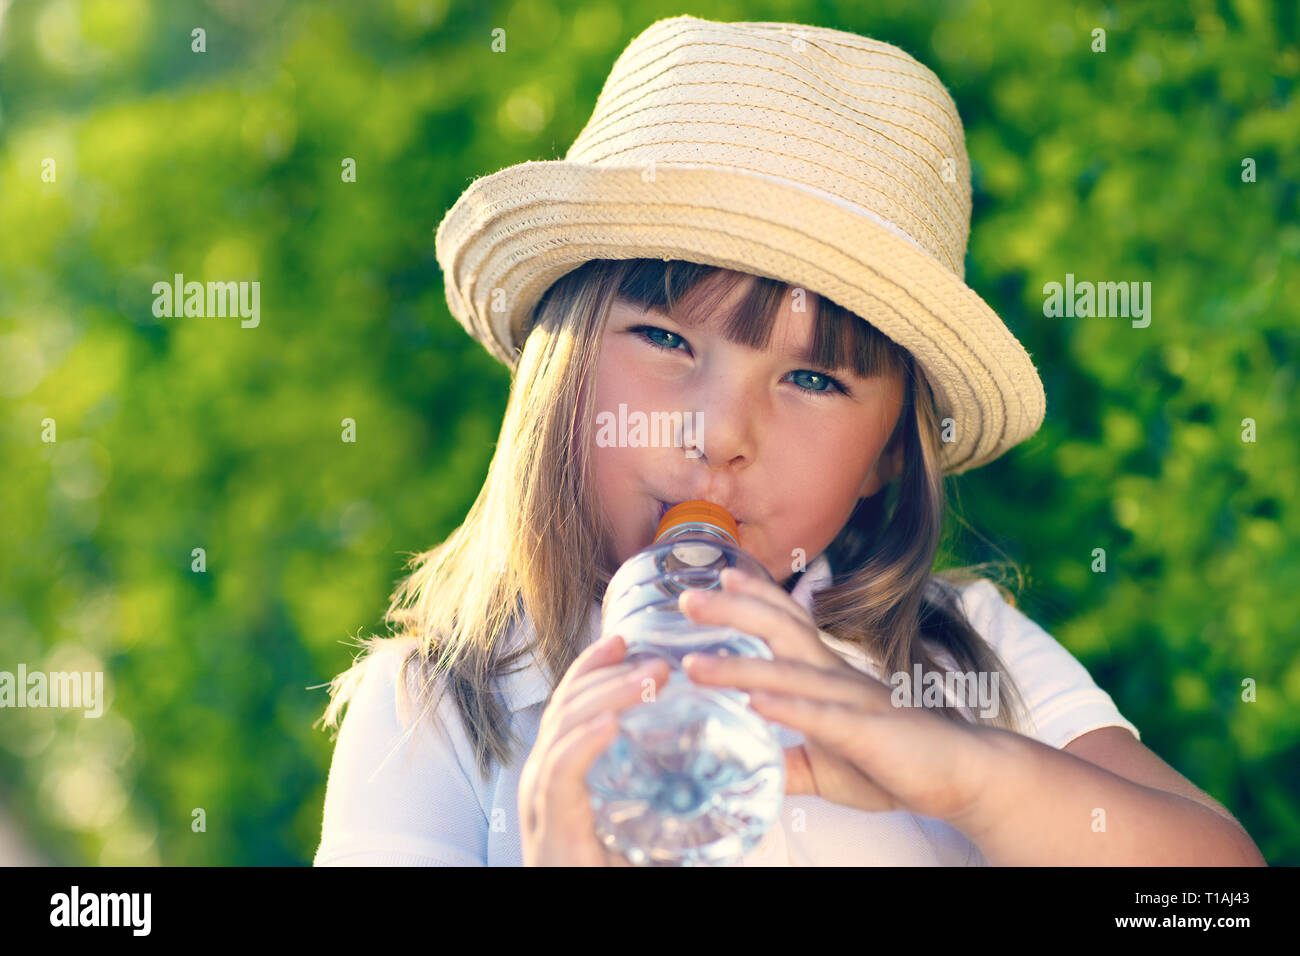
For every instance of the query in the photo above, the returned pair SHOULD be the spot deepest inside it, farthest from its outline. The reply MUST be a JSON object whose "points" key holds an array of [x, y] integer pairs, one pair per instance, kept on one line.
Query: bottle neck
{"points": [[696, 529]]}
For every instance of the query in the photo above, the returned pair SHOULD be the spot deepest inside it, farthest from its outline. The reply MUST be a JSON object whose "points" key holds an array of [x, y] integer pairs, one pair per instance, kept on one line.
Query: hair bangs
{"points": [[692, 293]]}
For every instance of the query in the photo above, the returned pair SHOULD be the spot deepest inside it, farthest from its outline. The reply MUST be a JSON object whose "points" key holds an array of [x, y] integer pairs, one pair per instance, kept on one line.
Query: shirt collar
{"points": [[528, 685]]}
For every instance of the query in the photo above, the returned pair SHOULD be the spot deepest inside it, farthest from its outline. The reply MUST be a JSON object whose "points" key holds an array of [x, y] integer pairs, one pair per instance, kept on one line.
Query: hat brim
{"points": [[513, 233]]}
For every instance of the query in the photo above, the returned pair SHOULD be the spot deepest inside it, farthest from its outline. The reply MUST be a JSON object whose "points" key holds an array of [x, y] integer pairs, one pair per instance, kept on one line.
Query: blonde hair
{"points": [[514, 554]]}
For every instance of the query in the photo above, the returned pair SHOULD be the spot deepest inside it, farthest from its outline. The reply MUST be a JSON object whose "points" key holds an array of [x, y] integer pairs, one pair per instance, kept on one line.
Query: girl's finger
{"points": [[786, 635], [736, 581], [600, 675], [833, 725], [837, 780], [796, 678], [742, 582], [616, 691], [799, 779], [601, 653], [568, 762]]}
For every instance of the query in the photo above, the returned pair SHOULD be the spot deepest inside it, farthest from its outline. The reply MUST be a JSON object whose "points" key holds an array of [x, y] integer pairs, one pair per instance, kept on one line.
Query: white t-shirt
{"points": [[402, 794]]}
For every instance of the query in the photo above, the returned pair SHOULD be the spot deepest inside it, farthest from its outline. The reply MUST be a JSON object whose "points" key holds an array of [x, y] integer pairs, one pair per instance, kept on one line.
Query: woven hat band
{"points": [[854, 119]]}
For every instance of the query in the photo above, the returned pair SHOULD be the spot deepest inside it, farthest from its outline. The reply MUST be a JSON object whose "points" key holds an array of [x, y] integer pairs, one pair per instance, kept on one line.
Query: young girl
{"points": [[762, 226]]}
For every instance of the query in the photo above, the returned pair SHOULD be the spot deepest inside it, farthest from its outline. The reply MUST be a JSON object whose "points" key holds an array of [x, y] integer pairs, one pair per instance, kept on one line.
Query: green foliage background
{"points": [[174, 434]]}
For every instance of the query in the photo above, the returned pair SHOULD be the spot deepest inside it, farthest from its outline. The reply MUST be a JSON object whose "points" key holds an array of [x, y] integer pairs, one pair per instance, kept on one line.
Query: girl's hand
{"points": [[556, 820], [859, 749]]}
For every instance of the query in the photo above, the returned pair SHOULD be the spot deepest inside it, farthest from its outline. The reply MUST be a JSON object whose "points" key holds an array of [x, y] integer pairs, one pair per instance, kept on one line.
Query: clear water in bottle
{"points": [[694, 776]]}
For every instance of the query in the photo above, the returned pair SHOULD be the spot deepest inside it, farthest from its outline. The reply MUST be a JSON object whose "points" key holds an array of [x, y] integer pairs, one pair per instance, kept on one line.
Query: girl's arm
{"points": [[1019, 800], [1044, 806], [397, 793]]}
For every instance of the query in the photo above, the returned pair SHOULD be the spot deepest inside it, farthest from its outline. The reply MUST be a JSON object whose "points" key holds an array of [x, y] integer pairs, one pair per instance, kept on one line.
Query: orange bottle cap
{"points": [[698, 510]]}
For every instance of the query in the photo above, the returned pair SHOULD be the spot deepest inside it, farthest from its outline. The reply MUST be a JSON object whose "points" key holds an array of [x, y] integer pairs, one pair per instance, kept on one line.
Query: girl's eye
{"points": [[807, 380], [647, 332], [817, 381]]}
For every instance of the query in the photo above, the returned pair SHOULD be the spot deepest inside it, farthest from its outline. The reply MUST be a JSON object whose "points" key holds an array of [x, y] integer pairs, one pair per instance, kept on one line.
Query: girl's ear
{"points": [[888, 467], [892, 461]]}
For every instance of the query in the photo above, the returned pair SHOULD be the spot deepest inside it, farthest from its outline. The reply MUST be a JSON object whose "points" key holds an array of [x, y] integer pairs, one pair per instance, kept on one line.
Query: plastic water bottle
{"points": [[694, 776]]}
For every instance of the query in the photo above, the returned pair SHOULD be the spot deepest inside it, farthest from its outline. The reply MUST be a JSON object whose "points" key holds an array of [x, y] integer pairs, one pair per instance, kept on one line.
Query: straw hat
{"points": [[815, 157]]}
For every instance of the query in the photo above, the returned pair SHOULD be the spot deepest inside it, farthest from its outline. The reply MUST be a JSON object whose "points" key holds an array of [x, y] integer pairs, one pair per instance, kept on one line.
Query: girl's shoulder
{"points": [[1062, 698], [372, 680], [985, 603], [994, 613], [989, 607], [398, 794]]}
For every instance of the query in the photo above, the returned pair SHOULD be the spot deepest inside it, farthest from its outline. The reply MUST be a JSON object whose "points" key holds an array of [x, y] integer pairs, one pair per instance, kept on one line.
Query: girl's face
{"points": [[780, 446]]}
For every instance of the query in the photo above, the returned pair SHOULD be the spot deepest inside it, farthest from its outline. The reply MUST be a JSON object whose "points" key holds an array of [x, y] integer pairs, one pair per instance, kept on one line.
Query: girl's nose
{"points": [[724, 428]]}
